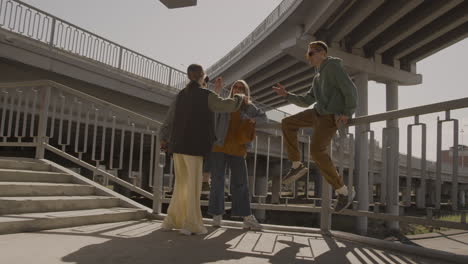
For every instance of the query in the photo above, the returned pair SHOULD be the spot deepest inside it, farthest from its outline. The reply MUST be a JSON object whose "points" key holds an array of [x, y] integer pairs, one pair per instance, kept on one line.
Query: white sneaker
{"points": [[203, 232], [185, 232], [165, 227], [251, 223], [217, 220]]}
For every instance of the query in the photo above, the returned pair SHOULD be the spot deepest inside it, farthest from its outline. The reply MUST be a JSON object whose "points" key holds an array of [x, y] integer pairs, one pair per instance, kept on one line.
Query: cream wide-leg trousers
{"points": [[184, 210]]}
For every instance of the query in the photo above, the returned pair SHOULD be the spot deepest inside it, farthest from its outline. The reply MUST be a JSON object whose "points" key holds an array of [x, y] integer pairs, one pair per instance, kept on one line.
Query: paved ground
{"points": [[455, 241], [141, 242]]}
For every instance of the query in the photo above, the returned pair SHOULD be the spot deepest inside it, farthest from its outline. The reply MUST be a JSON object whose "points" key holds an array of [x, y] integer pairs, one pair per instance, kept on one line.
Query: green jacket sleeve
{"points": [[302, 100], [221, 105], [346, 87]]}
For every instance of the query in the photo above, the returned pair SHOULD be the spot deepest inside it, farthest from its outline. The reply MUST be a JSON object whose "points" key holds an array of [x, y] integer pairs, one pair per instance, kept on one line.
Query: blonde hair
{"points": [[246, 88]]}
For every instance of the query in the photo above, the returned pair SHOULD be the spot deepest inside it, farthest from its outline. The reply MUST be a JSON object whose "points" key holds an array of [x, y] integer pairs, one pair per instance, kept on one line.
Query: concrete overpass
{"points": [[382, 39]]}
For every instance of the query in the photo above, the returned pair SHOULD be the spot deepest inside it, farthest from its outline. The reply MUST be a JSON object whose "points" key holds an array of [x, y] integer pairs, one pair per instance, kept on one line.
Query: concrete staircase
{"points": [[37, 195]]}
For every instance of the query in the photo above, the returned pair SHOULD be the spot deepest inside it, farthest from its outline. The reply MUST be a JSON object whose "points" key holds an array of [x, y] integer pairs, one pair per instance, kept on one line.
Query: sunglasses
{"points": [[312, 53]]}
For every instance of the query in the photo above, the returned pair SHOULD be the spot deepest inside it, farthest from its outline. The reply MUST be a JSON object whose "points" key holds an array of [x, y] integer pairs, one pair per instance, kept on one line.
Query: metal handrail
{"points": [[17, 17], [48, 83], [396, 114], [51, 103], [85, 130]]}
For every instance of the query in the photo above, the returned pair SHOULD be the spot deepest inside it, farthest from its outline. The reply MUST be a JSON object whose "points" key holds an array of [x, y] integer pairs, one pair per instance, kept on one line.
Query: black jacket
{"points": [[192, 132]]}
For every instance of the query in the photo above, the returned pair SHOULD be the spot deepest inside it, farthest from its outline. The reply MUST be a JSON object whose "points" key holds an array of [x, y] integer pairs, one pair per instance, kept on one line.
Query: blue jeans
{"points": [[239, 184]]}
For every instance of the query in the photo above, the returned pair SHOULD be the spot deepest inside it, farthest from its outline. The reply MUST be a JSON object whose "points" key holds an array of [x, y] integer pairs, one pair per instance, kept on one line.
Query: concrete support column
{"points": [[420, 197], [362, 152], [391, 136], [431, 198], [446, 188], [462, 198]]}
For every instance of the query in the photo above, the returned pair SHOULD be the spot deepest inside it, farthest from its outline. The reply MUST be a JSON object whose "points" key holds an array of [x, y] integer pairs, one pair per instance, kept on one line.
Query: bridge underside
{"points": [[383, 39]]}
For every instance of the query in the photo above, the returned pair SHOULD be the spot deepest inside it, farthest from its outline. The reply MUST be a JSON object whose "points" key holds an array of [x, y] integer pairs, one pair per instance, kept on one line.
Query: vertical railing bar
{"points": [[93, 149], [53, 116], [255, 165], [42, 126], [423, 163], [62, 110], [10, 112], [130, 160], [438, 165], [151, 165], [33, 114], [4, 110], [409, 166], [140, 166], [371, 166], [25, 114], [18, 111], [308, 171], [102, 156], [78, 125], [122, 139], [111, 152], [454, 184]]}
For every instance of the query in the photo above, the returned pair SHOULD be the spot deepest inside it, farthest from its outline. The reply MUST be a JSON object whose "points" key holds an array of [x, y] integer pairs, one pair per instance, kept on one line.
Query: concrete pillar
{"points": [[446, 188], [431, 197], [260, 190], [362, 152], [392, 156], [462, 198], [275, 175], [420, 197]]}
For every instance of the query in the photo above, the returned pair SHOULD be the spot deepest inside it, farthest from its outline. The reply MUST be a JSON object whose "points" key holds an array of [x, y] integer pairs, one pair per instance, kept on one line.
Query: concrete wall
{"points": [[11, 71]]}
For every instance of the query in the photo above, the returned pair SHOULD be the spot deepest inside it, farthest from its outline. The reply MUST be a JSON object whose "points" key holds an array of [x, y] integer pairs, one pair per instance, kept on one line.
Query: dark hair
{"points": [[319, 43], [195, 72]]}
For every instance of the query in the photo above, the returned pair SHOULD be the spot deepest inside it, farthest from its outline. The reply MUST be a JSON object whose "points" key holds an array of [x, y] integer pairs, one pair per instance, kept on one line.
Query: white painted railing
{"points": [[93, 134]]}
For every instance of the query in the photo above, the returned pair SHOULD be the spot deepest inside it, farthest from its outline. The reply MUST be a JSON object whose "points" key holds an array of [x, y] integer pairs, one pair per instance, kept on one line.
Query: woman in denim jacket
{"points": [[234, 132]]}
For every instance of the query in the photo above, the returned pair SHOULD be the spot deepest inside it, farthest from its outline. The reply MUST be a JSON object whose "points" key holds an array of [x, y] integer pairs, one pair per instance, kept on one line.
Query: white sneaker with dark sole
{"points": [[251, 223], [344, 201], [295, 174], [217, 220]]}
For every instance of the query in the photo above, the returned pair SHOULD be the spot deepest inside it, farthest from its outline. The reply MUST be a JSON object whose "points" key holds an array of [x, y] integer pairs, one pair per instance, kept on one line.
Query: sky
{"points": [[206, 32]]}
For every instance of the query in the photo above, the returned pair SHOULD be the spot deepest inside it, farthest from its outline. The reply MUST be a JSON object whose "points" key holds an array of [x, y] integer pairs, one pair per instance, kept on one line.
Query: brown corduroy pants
{"points": [[324, 129]]}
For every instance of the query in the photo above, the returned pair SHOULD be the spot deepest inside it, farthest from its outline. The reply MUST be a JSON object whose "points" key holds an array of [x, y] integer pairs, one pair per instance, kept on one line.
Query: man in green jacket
{"points": [[334, 95]]}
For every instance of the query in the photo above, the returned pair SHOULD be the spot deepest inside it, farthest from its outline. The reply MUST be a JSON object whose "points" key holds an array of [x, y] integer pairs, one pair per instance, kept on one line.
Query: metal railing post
{"points": [[170, 77], [325, 213], [159, 163], [52, 32], [43, 116], [120, 58]]}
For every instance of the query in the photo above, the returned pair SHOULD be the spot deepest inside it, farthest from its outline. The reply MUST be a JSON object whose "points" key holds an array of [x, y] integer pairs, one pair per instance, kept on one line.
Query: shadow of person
{"points": [[335, 253], [289, 253], [161, 247]]}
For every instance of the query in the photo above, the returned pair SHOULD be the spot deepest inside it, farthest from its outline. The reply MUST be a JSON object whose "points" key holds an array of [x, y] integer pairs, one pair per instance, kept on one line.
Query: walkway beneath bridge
{"points": [[141, 242]]}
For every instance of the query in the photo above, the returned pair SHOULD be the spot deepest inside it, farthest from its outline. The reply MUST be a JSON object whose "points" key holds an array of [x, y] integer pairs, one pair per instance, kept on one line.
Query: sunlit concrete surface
{"points": [[142, 242], [454, 241]]}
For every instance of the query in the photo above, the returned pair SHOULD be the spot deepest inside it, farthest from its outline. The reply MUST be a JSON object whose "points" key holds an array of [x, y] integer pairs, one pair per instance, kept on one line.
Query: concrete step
{"points": [[9, 175], [23, 164], [51, 220], [36, 204], [44, 189]]}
